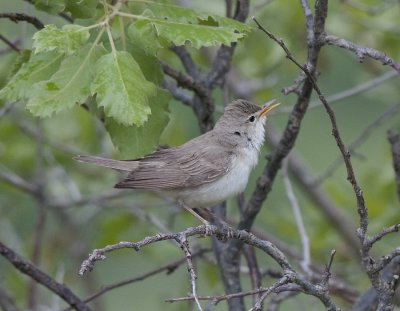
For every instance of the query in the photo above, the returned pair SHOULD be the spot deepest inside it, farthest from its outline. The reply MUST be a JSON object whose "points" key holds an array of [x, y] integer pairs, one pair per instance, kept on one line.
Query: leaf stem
{"points": [[110, 38], [122, 30]]}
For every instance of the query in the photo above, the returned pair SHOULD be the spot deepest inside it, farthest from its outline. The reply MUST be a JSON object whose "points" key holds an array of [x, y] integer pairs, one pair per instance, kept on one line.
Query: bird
{"points": [[207, 169]]}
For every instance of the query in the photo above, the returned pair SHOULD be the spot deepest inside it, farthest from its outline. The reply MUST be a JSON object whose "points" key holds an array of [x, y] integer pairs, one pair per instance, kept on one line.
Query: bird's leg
{"points": [[198, 216], [215, 220]]}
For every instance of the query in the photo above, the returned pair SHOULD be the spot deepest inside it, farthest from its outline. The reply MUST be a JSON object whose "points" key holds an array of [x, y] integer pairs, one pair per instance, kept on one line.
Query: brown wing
{"points": [[189, 165]]}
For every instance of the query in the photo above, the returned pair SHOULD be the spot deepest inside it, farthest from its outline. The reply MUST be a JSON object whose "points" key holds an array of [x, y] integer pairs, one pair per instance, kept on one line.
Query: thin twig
{"points": [[187, 61], [41, 199], [254, 270], [184, 80], [327, 274], [360, 88], [309, 22], [7, 303], [362, 210], [10, 44], [368, 130], [183, 243], [17, 17], [361, 51], [284, 280], [168, 268], [375, 238], [394, 139], [178, 93], [339, 219], [13, 179], [246, 237], [218, 298], [306, 261], [39, 276]]}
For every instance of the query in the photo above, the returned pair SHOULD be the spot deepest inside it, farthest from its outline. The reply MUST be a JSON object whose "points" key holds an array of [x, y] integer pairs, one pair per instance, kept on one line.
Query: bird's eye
{"points": [[237, 133], [252, 118]]}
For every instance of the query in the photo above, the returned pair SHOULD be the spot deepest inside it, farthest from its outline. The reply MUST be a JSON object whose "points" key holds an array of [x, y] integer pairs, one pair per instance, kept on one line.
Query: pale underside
{"points": [[198, 175]]}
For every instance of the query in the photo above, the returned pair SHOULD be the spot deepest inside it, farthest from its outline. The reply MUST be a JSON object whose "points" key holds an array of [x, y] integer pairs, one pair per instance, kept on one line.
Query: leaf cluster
{"points": [[107, 61]]}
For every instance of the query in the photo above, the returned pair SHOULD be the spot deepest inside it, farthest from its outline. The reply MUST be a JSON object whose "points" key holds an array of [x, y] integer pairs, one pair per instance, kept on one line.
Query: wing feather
{"points": [[189, 165]]}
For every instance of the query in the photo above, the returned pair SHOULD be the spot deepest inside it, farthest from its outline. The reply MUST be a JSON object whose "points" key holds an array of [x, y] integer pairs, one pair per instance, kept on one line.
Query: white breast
{"points": [[234, 182]]}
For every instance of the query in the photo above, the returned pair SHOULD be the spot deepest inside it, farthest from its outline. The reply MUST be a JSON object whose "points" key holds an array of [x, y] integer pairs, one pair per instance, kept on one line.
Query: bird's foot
{"points": [[208, 229], [226, 231]]}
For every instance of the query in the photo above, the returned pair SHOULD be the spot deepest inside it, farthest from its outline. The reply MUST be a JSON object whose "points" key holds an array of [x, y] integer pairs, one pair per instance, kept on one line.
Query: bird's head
{"points": [[243, 122]]}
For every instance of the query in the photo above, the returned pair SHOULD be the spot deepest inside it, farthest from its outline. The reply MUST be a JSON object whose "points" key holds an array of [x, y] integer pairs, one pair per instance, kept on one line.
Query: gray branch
{"points": [[39, 276], [361, 51]]}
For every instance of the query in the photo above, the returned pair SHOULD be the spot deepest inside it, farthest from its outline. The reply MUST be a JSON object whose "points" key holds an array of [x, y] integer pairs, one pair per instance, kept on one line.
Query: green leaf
{"points": [[22, 58], [135, 142], [69, 85], [39, 67], [176, 13], [82, 8], [196, 35], [148, 63], [67, 40], [179, 25], [142, 34], [122, 89], [50, 6]]}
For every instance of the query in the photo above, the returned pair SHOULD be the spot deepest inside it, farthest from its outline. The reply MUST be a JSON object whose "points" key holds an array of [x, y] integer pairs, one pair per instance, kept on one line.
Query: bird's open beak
{"points": [[268, 107]]}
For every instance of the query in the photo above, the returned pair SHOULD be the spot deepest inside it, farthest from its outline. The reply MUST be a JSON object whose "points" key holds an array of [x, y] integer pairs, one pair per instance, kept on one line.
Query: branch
{"points": [[216, 299], [185, 81], [361, 51], [305, 243], [283, 281], [178, 93], [370, 298], [168, 268], [394, 139], [386, 292], [362, 210], [202, 103], [369, 129], [10, 44], [373, 239], [6, 302], [16, 181], [254, 270], [35, 273], [17, 17], [334, 214], [384, 260], [362, 87], [187, 61], [222, 62], [265, 181], [65, 16], [244, 236], [309, 22], [183, 243]]}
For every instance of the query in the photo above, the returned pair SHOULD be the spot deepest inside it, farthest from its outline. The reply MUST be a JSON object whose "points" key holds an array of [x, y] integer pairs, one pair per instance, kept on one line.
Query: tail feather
{"points": [[115, 164]]}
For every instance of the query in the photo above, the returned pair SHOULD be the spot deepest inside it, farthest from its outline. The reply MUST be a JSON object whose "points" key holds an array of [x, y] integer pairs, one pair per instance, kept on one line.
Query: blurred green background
{"points": [[72, 231]]}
